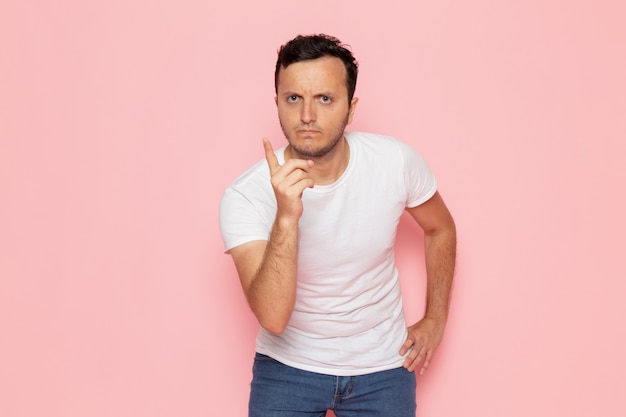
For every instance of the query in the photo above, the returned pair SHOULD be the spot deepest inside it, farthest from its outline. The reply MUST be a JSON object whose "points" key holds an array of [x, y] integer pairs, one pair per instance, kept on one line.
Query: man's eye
{"points": [[325, 99], [292, 99]]}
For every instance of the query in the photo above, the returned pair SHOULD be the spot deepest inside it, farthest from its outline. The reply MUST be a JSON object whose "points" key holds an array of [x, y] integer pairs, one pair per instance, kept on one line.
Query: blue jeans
{"points": [[279, 390]]}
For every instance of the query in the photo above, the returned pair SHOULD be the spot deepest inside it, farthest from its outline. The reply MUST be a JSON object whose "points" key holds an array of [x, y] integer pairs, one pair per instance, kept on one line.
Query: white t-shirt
{"points": [[348, 317]]}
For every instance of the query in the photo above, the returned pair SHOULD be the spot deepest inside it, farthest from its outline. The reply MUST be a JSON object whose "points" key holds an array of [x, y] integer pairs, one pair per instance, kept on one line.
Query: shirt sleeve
{"points": [[419, 180], [241, 220]]}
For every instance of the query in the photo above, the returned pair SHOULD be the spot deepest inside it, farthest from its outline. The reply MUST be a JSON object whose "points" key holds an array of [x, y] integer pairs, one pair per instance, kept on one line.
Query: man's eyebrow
{"points": [[328, 93]]}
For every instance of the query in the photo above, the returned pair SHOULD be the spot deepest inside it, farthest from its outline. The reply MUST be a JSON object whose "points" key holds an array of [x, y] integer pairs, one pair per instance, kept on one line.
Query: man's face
{"points": [[313, 107]]}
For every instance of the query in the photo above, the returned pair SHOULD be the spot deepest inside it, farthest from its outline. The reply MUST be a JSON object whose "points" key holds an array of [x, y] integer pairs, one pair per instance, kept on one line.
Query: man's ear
{"points": [[352, 109]]}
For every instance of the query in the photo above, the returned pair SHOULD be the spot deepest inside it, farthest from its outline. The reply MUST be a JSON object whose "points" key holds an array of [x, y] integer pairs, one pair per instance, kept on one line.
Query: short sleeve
{"points": [[419, 180], [241, 220]]}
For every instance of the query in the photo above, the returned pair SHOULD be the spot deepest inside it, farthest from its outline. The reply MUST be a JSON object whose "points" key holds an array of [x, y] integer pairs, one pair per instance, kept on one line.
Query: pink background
{"points": [[121, 122]]}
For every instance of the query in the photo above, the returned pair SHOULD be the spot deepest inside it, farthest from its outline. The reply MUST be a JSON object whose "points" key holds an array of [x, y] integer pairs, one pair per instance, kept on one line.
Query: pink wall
{"points": [[121, 122]]}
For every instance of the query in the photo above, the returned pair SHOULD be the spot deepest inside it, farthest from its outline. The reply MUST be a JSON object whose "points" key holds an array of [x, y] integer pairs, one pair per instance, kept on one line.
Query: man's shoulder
{"points": [[251, 187], [256, 173], [374, 143], [368, 136]]}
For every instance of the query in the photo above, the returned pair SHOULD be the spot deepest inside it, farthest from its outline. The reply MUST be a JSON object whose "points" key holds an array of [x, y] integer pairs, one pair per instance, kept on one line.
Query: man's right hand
{"points": [[289, 182]]}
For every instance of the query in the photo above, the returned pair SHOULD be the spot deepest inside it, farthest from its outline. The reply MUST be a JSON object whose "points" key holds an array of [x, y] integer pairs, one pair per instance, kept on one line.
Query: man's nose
{"points": [[308, 114]]}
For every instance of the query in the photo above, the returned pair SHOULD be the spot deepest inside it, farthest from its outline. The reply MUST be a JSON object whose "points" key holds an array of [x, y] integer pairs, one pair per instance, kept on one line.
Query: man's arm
{"points": [[440, 253], [267, 270]]}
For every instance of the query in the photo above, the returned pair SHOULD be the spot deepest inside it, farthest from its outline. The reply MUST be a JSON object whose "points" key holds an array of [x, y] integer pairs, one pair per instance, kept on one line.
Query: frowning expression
{"points": [[313, 106]]}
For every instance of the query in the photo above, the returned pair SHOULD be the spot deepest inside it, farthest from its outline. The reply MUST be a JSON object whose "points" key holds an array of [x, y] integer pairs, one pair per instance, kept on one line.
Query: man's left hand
{"points": [[424, 337]]}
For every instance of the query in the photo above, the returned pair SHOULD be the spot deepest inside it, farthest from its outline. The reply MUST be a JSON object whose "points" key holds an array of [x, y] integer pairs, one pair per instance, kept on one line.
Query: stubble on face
{"points": [[319, 152]]}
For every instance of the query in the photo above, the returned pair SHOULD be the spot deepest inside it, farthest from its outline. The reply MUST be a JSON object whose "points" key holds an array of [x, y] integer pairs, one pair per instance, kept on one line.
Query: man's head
{"points": [[315, 80], [310, 47]]}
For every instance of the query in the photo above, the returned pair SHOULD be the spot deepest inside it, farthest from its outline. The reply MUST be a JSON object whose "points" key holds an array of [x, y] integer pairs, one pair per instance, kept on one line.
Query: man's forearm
{"points": [[272, 293], [440, 250]]}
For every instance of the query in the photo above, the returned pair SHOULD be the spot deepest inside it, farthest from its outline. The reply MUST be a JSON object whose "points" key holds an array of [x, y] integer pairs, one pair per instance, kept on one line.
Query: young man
{"points": [[311, 231]]}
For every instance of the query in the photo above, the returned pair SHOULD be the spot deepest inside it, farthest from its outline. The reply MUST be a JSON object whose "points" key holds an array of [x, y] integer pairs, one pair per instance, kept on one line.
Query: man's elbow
{"points": [[273, 318], [445, 230], [275, 323], [274, 326]]}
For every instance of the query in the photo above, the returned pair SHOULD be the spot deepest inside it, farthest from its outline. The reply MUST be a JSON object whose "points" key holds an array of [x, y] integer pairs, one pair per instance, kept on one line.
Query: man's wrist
{"points": [[286, 222], [439, 319]]}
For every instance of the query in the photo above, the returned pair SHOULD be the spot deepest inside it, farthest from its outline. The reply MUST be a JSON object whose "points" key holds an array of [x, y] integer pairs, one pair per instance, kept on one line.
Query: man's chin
{"points": [[308, 146], [309, 152]]}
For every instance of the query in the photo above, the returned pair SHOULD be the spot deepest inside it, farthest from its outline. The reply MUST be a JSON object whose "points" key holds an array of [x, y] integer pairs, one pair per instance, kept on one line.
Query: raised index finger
{"points": [[270, 157]]}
